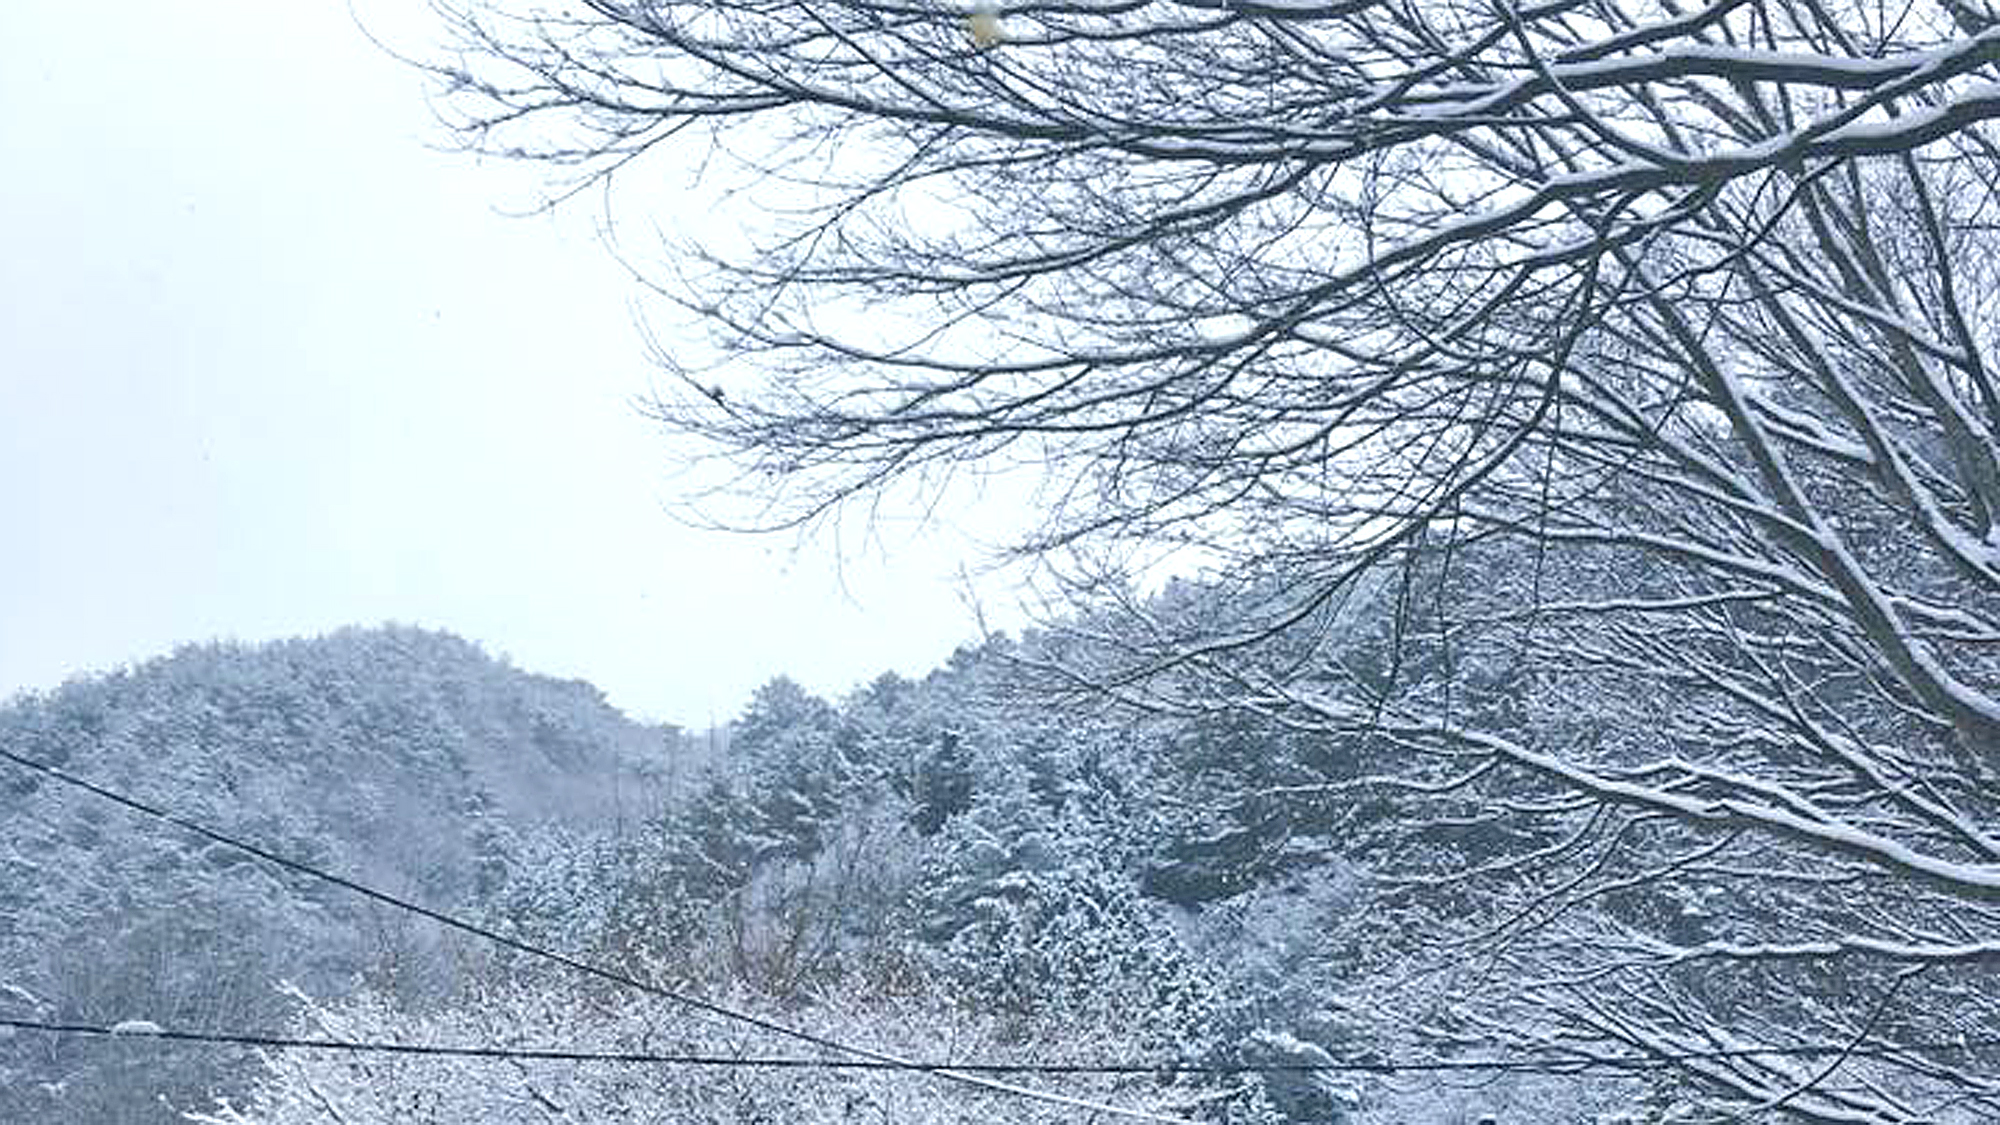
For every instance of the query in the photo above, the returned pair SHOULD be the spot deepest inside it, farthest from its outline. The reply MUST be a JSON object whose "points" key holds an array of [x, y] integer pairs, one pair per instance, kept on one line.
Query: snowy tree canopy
{"points": [[1633, 354]]}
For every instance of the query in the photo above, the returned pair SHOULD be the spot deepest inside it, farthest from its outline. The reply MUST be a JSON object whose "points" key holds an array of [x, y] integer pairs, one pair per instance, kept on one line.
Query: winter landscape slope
{"points": [[408, 759]]}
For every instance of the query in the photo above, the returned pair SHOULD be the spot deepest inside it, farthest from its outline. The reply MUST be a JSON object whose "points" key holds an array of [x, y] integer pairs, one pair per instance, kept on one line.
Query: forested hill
{"points": [[976, 865], [407, 758]]}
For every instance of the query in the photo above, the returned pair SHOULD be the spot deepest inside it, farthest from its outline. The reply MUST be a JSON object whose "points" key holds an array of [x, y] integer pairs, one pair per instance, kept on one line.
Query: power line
{"points": [[523, 1054], [377, 1047], [1571, 1065], [885, 1060]]}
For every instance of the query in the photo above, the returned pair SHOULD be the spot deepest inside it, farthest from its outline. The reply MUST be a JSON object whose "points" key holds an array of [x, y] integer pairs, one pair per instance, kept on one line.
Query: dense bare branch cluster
{"points": [[1652, 338]]}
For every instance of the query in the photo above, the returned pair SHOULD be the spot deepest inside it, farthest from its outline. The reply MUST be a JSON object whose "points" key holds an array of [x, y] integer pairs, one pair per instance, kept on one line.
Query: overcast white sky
{"points": [[269, 366]]}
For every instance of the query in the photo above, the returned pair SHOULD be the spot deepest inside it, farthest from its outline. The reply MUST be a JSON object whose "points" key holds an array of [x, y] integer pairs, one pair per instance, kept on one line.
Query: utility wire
{"points": [[1573, 1064], [883, 1059]]}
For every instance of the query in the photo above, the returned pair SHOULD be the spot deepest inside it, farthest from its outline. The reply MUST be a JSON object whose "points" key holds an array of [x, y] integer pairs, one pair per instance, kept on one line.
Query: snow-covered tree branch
{"points": [[1636, 355]]}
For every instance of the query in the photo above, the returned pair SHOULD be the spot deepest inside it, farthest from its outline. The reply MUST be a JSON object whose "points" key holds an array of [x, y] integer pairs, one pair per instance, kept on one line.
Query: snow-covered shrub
{"points": [[304, 1088]]}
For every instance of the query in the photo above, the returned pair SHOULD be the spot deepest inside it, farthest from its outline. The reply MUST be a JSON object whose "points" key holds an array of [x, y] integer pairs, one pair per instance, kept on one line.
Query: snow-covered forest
{"points": [[977, 867], [969, 868]]}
